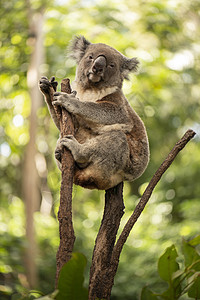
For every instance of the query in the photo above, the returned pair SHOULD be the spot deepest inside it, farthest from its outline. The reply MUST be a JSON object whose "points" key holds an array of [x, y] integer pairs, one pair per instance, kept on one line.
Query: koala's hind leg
{"points": [[80, 155], [102, 159]]}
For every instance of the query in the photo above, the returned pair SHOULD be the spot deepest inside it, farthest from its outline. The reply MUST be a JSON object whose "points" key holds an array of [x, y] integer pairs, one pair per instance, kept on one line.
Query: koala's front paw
{"points": [[59, 98], [69, 142], [68, 101], [45, 84]]}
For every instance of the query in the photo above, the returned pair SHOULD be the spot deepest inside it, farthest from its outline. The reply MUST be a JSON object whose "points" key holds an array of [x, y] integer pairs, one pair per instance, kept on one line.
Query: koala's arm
{"points": [[104, 112], [45, 87]]}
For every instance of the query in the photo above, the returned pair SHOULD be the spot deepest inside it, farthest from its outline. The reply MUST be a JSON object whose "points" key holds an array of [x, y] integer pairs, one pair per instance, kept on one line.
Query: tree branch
{"points": [[101, 280], [66, 230], [148, 191], [106, 256]]}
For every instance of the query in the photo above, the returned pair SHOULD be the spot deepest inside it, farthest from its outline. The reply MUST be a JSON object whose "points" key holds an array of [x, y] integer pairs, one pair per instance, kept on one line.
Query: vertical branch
{"points": [[66, 230], [101, 279]]}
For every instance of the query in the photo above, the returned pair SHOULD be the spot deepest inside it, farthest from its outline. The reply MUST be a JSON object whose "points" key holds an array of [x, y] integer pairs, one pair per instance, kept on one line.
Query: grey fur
{"points": [[110, 143]]}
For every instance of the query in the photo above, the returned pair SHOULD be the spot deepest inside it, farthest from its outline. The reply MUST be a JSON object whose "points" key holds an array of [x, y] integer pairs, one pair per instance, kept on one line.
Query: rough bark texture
{"points": [[107, 251], [106, 256], [66, 231], [101, 279]]}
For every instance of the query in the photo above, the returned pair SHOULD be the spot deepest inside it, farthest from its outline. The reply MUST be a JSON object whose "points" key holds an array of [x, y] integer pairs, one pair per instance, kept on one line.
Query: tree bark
{"points": [[66, 230], [106, 255], [107, 251], [101, 279]]}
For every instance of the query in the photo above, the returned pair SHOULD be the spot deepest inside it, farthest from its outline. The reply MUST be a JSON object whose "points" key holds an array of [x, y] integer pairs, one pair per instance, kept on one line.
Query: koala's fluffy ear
{"points": [[78, 47], [129, 65]]}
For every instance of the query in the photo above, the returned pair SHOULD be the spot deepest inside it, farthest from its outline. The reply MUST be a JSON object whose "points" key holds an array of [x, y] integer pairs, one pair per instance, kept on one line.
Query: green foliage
{"points": [[70, 282], [180, 280], [148, 294], [31, 295], [167, 264], [164, 35]]}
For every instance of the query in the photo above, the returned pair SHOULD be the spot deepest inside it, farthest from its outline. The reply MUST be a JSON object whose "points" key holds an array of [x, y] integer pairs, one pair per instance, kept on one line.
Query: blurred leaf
{"points": [[195, 241], [164, 35], [16, 297], [148, 294], [192, 263], [194, 290], [70, 282], [177, 274], [192, 258], [50, 296], [167, 264]]}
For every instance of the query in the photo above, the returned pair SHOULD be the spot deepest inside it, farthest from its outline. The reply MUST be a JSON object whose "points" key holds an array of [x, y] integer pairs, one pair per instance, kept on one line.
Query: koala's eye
{"points": [[112, 65], [90, 57]]}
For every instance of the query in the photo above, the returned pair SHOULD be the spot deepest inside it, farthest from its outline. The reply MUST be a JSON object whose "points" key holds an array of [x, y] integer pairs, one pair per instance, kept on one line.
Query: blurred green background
{"points": [[165, 37]]}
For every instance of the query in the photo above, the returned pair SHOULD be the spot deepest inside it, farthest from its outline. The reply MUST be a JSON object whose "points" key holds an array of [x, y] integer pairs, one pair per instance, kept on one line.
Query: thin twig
{"points": [[148, 191]]}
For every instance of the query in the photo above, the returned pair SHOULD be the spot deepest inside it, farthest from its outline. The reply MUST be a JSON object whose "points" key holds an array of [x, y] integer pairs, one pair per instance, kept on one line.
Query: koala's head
{"points": [[100, 65]]}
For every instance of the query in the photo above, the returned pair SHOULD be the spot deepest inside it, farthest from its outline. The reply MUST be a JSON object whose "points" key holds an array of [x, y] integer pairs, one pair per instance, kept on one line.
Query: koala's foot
{"points": [[58, 154], [58, 150], [80, 155], [69, 142], [45, 84]]}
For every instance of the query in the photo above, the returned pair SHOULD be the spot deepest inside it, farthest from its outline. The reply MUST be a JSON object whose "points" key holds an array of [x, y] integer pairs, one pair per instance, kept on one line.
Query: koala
{"points": [[110, 144]]}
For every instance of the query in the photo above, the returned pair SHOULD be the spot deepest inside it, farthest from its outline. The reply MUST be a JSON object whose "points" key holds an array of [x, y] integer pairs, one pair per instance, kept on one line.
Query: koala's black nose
{"points": [[99, 64]]}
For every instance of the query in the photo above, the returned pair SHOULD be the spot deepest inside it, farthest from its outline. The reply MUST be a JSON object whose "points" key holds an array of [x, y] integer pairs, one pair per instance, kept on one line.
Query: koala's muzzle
{"points": [[99, 64], [97, 70]]}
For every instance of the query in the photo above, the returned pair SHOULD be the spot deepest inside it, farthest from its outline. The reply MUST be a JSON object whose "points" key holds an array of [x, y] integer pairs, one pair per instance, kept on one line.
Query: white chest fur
{"points": [[92, 95]]}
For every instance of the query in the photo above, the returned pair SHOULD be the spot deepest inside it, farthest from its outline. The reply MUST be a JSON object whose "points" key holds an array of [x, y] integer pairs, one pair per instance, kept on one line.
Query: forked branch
{"points": [[106, 256], [148, 191]]}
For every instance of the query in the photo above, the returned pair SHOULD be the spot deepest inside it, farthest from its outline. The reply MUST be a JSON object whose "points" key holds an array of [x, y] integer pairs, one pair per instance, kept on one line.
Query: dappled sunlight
{"points": [[5, 149], [181, 60], [165, 91], [13, 220]]}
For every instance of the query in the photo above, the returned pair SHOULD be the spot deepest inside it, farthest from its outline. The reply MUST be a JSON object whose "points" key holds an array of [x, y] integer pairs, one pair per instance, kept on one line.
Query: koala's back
{"points": [[129, 140]]}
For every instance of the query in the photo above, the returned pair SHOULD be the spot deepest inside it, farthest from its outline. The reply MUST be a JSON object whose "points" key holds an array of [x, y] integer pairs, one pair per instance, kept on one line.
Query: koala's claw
{"points": [[69, 142], [45, 84], [54, 83], [57, 94], [57, 102], [67, 138], [58, 99], [58, 154]]}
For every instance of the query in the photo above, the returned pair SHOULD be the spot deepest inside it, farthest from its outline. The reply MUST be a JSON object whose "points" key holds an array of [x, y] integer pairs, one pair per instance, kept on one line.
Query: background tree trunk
{"points": [[30, 178]]}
